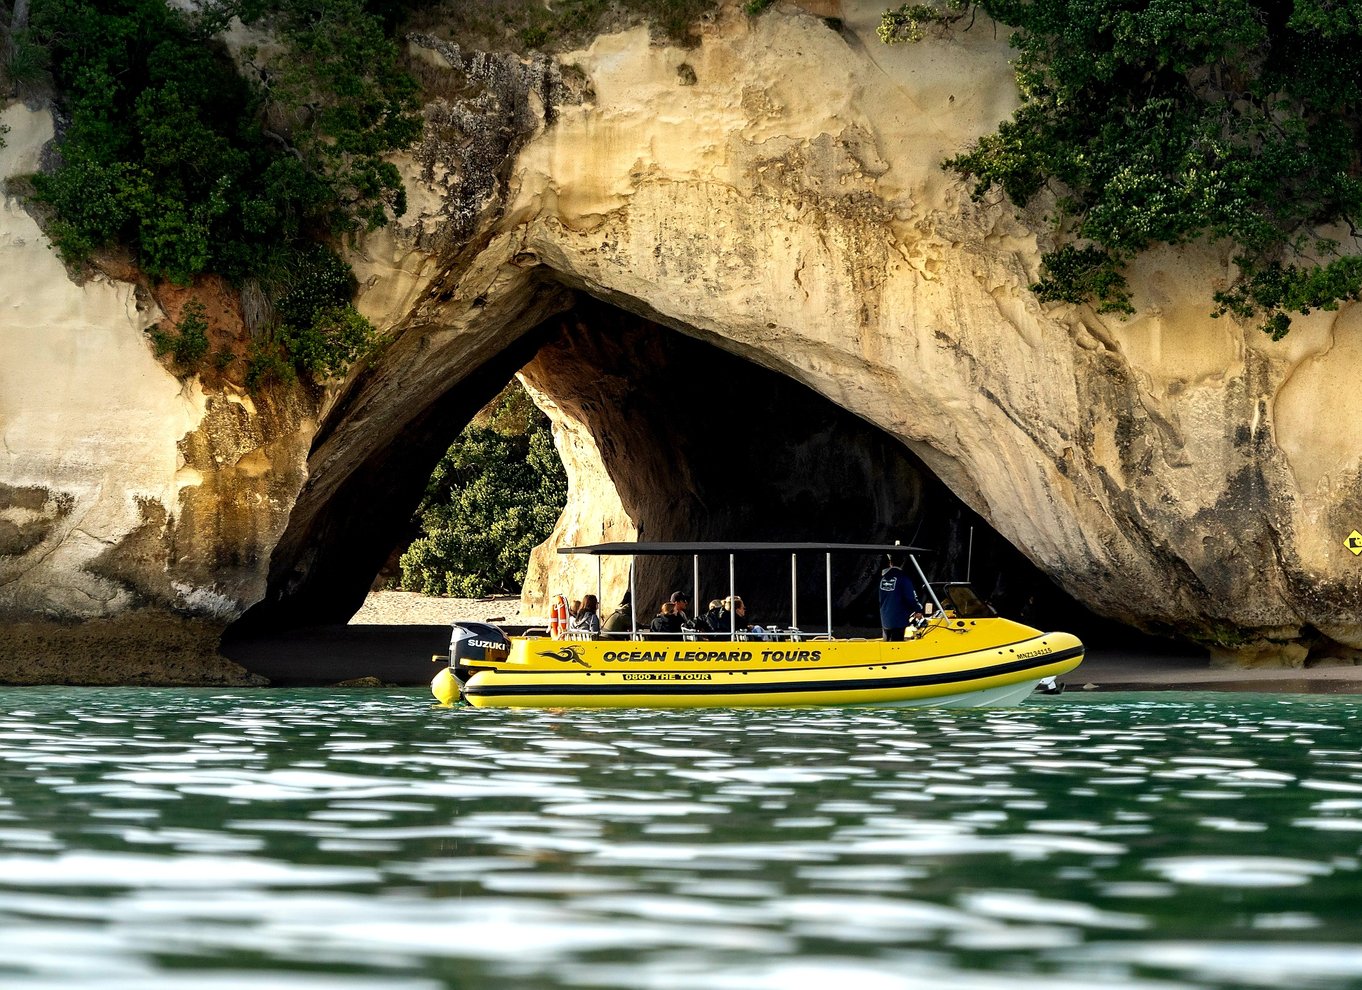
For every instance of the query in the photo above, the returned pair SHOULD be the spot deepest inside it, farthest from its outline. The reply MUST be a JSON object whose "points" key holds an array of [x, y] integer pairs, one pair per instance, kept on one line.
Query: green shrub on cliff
{"points": [[495, 496], [1170, 121], [173, 152], [315, 330], [188, 342]]}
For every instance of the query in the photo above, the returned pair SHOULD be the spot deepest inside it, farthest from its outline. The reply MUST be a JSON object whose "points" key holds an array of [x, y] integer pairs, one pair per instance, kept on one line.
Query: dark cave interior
{"points": [[700, 444]]}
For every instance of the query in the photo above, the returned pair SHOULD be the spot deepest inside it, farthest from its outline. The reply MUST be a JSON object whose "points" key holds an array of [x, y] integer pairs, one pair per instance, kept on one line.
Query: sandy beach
{"points": [[405, 608]]}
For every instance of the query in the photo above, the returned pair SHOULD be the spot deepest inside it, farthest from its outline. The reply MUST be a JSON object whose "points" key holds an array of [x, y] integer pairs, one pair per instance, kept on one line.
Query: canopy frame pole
{"points": [[928, 585], [598, 582], [794, 591], [829, 592], [969, 558], [695, 577], [732, 603], [633, 603]]}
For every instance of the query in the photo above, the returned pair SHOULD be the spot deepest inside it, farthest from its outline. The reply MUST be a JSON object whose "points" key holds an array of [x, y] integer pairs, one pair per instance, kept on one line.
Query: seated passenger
{"points": [[732, 616], [711, 617], [587, 619], [666, 620], [620, 620]]}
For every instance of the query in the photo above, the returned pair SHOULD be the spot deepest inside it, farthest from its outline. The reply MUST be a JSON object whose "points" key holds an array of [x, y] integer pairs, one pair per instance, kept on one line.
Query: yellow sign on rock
{"points": [[1354, 542]]}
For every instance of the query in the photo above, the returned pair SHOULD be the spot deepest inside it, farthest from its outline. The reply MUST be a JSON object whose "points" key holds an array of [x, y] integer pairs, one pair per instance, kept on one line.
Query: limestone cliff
{"points": [[774, 192], [137, 511]]}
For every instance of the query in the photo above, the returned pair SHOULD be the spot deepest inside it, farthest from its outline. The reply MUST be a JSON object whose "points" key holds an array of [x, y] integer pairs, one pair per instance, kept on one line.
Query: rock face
{"points": [[130, 502], [776, 193]]}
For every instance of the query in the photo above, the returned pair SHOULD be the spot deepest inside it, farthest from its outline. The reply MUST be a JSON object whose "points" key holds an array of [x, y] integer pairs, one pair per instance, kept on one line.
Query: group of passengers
{"points": [[898, 607], [673, 617]]}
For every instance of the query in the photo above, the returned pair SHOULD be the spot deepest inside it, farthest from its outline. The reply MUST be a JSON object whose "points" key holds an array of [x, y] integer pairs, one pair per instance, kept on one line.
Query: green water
{"points": [[306, 839]]}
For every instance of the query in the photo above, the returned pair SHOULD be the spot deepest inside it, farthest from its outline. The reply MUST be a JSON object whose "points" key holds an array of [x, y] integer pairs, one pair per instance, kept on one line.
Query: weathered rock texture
{"points": [[781, 199], [666, 438], [684, 442], [129, 501]]}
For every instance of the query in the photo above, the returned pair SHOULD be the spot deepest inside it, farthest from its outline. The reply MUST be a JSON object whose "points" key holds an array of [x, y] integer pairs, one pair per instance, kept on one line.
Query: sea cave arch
{"points": [[665, 435]]}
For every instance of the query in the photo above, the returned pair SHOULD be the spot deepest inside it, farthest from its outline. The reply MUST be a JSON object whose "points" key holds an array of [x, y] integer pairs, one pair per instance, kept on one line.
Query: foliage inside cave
{"points": [[196, 165], [494, 497], [1169, 121]]}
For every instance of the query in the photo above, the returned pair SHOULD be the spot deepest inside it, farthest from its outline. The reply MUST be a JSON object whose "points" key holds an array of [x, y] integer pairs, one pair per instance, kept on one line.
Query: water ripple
{"points": [[158, 839]]}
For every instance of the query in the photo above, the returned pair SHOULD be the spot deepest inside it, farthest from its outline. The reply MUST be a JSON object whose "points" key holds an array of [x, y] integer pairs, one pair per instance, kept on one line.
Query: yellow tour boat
{"points": [[962, 655]]}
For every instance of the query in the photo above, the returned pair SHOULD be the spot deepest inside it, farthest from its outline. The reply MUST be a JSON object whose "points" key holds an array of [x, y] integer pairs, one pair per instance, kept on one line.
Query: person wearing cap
{"points": [[681, 603], [898, 603]]}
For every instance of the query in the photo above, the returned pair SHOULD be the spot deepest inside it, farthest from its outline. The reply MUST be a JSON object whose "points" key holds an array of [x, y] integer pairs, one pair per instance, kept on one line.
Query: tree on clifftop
{"points": [[1167, 121], [171, 152]]}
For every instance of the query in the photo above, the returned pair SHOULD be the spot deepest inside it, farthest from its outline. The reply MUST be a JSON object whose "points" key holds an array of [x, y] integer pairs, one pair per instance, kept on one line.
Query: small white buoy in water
{"points": [[445, 687]]}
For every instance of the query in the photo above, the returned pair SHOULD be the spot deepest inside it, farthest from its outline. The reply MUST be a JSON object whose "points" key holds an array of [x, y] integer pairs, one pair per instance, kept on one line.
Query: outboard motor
{"points": [[476, 646], [473, 646]]}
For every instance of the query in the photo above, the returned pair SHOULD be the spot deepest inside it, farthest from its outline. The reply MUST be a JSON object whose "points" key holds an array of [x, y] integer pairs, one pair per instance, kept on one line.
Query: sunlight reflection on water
{"points": [[314, 838]]}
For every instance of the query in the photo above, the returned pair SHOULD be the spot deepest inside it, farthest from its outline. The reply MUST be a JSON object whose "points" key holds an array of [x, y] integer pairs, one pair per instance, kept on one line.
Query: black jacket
{"points": [[727, 620], [666, 624]]}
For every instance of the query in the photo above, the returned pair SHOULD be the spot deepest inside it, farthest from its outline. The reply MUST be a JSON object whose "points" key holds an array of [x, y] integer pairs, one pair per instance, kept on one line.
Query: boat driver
{"points": [[898, 603]]}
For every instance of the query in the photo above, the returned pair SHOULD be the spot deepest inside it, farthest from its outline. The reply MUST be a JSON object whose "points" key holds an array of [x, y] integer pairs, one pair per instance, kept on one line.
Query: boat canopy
{"points": [[732, 550], [664, 549]]}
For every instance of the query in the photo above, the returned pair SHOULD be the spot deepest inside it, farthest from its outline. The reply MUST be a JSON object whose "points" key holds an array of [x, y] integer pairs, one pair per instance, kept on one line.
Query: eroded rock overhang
{"points": [[664, 436], [783, 199]]}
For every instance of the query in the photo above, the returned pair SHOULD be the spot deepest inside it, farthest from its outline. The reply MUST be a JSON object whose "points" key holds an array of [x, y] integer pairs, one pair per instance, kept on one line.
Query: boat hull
{"points": [[996, 665]]}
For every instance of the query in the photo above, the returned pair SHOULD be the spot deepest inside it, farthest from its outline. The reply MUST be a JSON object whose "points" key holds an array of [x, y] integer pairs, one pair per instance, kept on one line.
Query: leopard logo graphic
{"points": [[568, 654]]}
